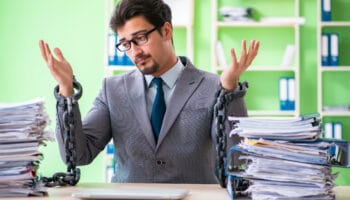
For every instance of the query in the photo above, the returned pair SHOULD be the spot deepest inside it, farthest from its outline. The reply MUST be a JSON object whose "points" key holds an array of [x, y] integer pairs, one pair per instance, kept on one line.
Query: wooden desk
{"points": [[197, 191]]}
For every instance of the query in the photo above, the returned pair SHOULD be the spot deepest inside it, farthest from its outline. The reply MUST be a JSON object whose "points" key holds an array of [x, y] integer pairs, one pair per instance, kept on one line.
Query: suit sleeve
{"points": [[91, 135]]}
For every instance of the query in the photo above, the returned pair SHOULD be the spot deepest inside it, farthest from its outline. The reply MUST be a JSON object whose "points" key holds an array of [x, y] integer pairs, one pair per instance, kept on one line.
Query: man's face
{"points": [[149, 54]]}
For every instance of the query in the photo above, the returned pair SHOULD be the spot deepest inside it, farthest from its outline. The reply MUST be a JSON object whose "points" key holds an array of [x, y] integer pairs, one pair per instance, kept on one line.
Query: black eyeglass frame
{"points": [[133, 40]]}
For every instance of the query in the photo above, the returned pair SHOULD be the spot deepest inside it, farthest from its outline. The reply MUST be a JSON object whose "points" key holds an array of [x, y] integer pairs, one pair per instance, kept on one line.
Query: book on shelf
{"points": [[330, 49], [288, 56], [220, 55], [333, 130], [287, 93], [115, 57], [334, 49], [109, 162], [326, 10], [325, 49]]}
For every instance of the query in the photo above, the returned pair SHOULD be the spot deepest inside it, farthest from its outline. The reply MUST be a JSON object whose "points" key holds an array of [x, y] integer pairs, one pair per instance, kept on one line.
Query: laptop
{"points": [[131, 193]]}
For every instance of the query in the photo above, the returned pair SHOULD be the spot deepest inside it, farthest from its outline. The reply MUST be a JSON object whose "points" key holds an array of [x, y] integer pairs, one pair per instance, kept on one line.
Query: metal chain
{"points": [[221, 157], [72, 176], [220, 114]]}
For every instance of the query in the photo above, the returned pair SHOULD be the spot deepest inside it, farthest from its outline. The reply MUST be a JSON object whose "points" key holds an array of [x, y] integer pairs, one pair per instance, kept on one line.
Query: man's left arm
{"points": [[230, 102]]}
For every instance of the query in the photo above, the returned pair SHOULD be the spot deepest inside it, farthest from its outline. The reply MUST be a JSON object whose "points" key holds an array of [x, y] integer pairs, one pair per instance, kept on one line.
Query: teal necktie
{"points": [[158, 108]]}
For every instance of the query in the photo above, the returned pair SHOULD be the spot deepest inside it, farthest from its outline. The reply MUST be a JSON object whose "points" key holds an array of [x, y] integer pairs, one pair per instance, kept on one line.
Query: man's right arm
{"points": [[90, 135], [59, 68]]}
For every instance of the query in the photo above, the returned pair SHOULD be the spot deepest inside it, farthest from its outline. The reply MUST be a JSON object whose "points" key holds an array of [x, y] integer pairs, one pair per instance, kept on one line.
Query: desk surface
{"points": [[197, 191]]}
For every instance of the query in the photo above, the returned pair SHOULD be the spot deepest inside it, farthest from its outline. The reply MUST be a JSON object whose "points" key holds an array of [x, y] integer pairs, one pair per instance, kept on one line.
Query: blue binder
{"points": [[111, 51], [325, 49], [283, 90], [326, 10], [116, 57], [291, 94], [287, 93], [334, 49]]}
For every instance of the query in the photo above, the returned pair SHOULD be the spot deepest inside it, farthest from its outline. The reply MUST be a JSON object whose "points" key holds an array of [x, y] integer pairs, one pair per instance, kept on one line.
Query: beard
{"points": [[149, 70], [144, 68]]}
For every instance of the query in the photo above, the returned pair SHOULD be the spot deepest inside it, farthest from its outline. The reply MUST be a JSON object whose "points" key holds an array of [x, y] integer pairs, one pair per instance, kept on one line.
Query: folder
{"points": [[109, 162], [287, 93], [288, 56], [221, 55], [111, 50], [283, 93], [337, 130], [291, 94], [326, 10], [334, 49], [116, 57], [328, 130], [325, 49], [126, 60]]}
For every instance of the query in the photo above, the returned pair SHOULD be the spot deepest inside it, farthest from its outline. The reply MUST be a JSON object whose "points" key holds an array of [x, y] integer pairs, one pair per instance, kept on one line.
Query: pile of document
{"points": [[282, 158], [21, 133], [240, 14]]}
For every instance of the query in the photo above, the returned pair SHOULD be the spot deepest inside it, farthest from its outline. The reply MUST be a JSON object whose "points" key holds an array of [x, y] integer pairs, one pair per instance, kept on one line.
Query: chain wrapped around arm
{"points": [[72, 176], [223, 99], [220, 116]]}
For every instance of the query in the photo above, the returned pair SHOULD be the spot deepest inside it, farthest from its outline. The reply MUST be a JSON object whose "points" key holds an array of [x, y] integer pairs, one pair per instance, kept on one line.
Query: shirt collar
{"points": [[170, 76]]}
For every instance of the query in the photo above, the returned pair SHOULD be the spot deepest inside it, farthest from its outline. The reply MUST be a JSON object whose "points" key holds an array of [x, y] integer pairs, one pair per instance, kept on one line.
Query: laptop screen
{"points": [[130, 193]]}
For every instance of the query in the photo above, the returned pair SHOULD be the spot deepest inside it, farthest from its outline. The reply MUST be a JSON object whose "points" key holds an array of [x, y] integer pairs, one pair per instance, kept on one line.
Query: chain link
{"points": [[72, 176], [221, 157], [220, 114]]}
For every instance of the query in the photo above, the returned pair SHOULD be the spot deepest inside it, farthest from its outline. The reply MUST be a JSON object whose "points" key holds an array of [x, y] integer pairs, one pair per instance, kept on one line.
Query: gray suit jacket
{"points": [[185, 150]]}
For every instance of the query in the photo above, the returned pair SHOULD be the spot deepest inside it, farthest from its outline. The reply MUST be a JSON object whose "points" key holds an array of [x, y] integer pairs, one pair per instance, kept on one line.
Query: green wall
{"points": [[77, 27], [74, 26]]}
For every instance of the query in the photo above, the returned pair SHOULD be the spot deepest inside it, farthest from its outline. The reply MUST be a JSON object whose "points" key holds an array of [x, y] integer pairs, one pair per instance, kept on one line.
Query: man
{"points": [[175, 146]]}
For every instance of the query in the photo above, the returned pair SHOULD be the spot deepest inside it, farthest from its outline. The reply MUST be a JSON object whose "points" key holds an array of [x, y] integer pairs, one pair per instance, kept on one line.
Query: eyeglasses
{"points": [[139, 40]]}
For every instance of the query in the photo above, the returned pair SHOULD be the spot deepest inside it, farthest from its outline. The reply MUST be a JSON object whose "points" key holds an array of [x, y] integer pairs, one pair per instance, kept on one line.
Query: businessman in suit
{"points": [[161, 128]]}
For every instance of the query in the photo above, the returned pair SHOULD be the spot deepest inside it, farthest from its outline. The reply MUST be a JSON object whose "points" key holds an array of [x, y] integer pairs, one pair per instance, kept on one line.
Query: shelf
{"points": [[182, 25], [335, 24], [278, 68], [272, 113], [265, 68], [335, 113], [256, 24], [334, 68], [119, 67]]}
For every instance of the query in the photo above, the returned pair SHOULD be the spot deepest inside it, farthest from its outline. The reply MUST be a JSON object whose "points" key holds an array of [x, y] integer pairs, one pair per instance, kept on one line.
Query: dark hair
{"points": [[155, 12]]}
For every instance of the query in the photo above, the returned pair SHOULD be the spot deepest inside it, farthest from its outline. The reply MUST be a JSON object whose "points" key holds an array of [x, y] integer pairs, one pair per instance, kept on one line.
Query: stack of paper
{"points": [[21, 133], [282, 158], [240, 14]]}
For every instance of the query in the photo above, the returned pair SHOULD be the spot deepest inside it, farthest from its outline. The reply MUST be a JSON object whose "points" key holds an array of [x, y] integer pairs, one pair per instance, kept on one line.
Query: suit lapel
{"points": [[135, 87], [185, 86]]}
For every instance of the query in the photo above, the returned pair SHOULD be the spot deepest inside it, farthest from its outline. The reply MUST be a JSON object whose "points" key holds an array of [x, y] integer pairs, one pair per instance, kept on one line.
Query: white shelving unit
{"points": [[217, 25], [322, 70], [183, 14]]}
